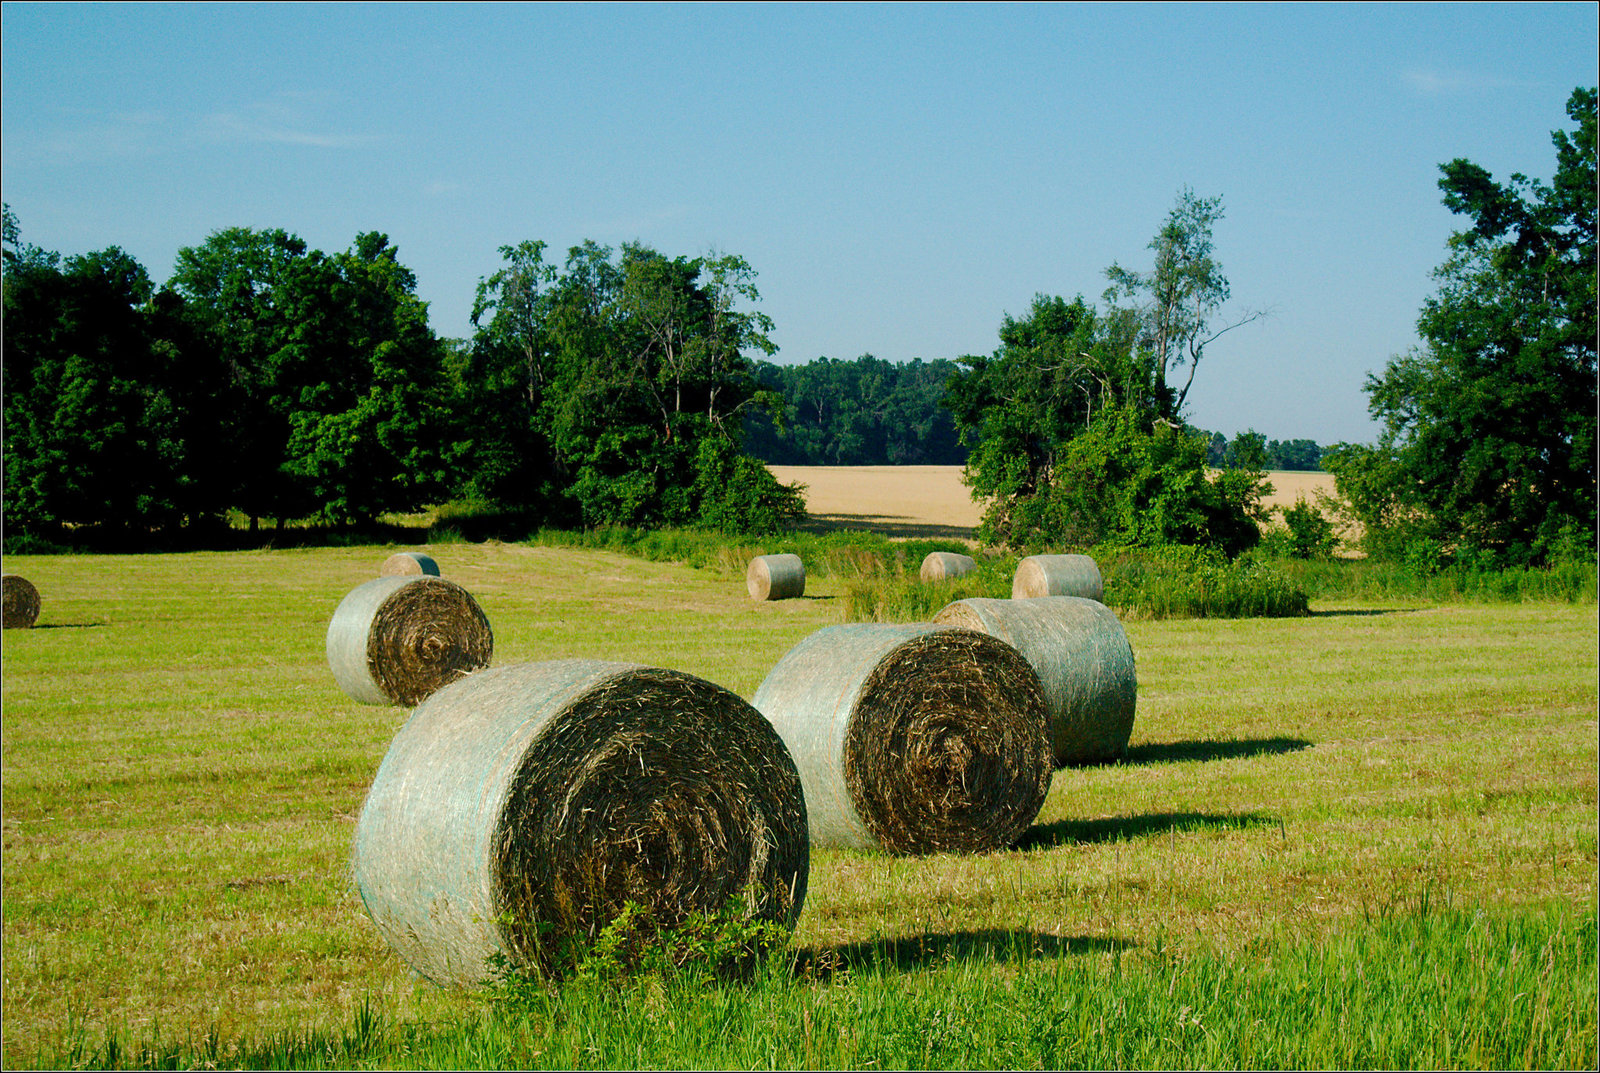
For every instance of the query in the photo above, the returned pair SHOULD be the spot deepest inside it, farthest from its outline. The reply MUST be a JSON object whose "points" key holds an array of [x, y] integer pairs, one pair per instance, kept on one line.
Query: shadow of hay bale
{"points": [[1171, 752], [1128, 828], [910, 952]]}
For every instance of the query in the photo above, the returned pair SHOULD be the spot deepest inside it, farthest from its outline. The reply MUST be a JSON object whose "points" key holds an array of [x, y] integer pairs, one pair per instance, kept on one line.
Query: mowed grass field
{"points": [[182, 776]]}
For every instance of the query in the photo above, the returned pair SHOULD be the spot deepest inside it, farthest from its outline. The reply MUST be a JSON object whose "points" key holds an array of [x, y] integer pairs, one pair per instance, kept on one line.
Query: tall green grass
{"points": [[1426, 988], [1378, 579], [884, 583]]}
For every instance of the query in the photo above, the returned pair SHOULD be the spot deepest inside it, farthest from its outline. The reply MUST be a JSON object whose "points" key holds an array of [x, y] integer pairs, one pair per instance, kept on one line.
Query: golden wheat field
{"points": [[931, 501]]}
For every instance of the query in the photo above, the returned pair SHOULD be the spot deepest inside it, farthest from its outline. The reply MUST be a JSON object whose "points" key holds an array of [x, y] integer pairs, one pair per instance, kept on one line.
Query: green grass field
{"points": [[1366, 837]]}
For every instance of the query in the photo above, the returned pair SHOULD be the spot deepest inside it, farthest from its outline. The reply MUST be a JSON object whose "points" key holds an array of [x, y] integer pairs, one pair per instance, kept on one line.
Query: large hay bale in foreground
{"points": [[1057, 575], [946, 566], [21, 602], [409, 564], [775, 577], [913, 738], [396, 640], [1084, 661], [520, 808]]}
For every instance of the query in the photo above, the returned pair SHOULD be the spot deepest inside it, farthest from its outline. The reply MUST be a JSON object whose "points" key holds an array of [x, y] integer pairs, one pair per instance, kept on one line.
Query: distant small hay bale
{"points": [[775, 577], [396, 640], [519, 809], [21, 602], [1057, 575], [912, 738], [1084, 661], [946, 566], [409, 564]]}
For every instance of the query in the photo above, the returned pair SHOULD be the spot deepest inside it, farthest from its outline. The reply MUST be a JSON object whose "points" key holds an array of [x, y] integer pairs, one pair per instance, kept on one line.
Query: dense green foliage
{"points": [[278, 381], [1072, 424], [612, 393], [335, 404], [1488, 446], [265, 378], [1280, 454], [1423, 987], [867, 412]]}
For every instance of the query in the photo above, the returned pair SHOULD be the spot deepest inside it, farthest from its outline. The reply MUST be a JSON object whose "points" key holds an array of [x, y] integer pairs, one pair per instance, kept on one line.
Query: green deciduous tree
{"points": [[1177, 301], [629, 378], [1076, 437], [864, 412], [336, 384], [1488, 441], [102, 397]]}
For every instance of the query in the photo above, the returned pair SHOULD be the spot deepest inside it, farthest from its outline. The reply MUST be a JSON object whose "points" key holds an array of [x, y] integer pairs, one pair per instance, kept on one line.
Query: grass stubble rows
{"points": [[1366, 837]]}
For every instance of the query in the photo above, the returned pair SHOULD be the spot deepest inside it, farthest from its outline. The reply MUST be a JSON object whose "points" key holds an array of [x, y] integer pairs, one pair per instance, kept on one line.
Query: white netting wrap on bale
{"points": [[913, 738], [946, 566], [1084, 661], [520, 809], [1057, 575], [396, 640], [21, 602], [775, 577], [409, 564]]}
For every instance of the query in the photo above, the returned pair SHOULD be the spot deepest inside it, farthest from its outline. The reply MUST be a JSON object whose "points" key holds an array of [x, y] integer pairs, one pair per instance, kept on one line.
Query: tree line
{"points": [[866, 412], [282, 382]]}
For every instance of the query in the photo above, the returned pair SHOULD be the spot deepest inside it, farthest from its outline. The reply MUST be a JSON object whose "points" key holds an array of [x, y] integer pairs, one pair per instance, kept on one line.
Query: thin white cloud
{"points": [[1432, 82], [284, 119], [94, 139], [444, 187]]}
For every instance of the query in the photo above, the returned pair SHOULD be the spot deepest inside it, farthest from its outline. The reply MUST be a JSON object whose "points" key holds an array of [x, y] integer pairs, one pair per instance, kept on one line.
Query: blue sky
{"points": [[899, 176]]}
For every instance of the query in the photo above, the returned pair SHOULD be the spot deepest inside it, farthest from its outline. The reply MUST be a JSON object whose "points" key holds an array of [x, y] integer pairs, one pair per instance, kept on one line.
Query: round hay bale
{"points": [[1084, 661], [519, 809], [1057, 575], [409, 564], [775, 577], [946, 566], [913, 738], [21, 602], [396, 640]]}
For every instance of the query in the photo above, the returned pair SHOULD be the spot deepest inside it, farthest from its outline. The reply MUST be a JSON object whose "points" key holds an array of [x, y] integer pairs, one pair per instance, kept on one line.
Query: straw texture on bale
{"points": [[396, 640], [1084, 661], [912, 738], [946, 566], [775, 577], [21, 602], [409, 564], [519, 809], [1057, 575]]}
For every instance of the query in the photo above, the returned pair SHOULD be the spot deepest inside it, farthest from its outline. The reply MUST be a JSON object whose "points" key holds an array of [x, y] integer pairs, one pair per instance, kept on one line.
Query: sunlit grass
{"points": [[181, 776]]}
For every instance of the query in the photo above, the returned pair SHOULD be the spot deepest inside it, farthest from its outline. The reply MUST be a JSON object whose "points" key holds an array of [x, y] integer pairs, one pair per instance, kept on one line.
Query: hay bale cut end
{"points": [[775, 577], [1057, 575], [396, 640], [1084, 661], [409, 564], [912, 738], [946, 566], [21, 602], [518, 811]]}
